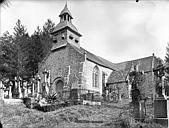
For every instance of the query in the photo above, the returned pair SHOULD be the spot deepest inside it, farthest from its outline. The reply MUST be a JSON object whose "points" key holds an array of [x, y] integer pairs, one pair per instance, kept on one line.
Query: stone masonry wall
{"points": [[88, 73], [56, 62]]}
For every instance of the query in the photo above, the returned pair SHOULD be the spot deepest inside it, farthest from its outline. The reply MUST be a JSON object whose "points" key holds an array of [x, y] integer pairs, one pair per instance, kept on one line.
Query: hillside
{"points": [[77, 116], [18, 116]]}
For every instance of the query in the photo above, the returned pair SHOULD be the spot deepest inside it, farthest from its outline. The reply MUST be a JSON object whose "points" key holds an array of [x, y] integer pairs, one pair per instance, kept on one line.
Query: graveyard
{"points": [[126, 113], [48, 80], [80, 116]]}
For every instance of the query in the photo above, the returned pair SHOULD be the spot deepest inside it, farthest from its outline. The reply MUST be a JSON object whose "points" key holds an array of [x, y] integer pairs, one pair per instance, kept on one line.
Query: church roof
{"points": [[117, 76], [66, 10], [94, 58], [144, 64], [99, 60], [65, 24]]}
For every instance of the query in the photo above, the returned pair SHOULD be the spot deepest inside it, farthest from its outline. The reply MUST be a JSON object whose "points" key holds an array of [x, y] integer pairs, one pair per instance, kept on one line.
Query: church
{"points": [[68, 65]]}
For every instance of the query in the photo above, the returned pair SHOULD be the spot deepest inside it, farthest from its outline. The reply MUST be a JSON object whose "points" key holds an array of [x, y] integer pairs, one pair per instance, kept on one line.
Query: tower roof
{"points": [[65, 24], [65, 11]]}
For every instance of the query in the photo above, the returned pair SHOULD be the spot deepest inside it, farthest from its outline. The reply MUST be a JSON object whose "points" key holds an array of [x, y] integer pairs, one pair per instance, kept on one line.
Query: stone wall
{"points": [[88, 74], [64, 63], [75, 61], [73, 68], [56, 62]]}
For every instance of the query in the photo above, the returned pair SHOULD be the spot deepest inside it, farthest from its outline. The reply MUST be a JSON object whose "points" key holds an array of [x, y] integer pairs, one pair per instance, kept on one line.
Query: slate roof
{"points": [[94, 58], [117, 76], [124, 68], [143, 63], [99, 60], [90, 56], [64, 24]]}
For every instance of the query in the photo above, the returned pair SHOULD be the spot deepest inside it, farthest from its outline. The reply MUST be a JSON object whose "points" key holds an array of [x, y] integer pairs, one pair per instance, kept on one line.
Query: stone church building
{"points": [[68, 65]]}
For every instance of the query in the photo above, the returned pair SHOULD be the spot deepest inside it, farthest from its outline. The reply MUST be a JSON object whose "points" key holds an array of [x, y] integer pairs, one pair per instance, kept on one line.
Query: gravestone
{"points": [[161, 111], [1, 91]]}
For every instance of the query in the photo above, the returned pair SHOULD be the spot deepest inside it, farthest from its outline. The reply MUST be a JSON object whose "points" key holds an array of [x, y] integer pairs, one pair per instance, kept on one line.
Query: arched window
{"points": [[96, 76]]}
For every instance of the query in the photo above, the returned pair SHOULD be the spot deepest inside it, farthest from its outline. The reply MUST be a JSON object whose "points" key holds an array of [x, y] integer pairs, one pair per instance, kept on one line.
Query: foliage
{"points": [[167, 60], [7, 56], [21, 53], [55, 98], [137, 80], [123, 120], [4, 3], [46, 39]]}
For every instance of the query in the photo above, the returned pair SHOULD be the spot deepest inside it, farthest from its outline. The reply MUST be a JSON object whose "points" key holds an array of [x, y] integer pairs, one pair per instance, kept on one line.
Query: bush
{"points": [[27, 102], [122, 123], [147, 125]]}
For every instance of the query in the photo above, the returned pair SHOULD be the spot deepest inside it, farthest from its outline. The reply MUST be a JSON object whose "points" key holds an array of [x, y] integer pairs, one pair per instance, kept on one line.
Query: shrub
{"points": [[27, 102], [147, 125]]}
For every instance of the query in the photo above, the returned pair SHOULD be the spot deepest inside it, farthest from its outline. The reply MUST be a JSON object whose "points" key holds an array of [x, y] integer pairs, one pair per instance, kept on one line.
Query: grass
{"points": [[80, 116]]}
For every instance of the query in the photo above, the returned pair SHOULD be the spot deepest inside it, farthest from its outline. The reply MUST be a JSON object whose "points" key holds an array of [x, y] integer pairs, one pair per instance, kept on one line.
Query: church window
{"points": [[96, 76]]}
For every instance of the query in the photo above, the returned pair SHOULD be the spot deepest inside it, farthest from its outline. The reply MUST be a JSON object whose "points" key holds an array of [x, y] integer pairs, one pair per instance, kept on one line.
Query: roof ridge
{"points": [[102, 62], [134, 60]]}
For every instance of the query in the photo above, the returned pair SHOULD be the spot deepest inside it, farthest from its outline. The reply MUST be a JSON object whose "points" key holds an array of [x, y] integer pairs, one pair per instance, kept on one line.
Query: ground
{"points": [[80, 116], [18, 116]]}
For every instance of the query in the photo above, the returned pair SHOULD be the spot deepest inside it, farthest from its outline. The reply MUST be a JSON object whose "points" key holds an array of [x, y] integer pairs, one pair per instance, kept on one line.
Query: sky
{"points": [[117, 30]]}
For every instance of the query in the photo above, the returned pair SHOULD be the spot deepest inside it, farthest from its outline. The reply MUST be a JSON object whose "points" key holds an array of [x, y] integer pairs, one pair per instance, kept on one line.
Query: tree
{"points": [[35, 55], [4, 3], [137, 80], [39, 47], [48, 27], [46, 39], [20, 53], [7, 56], [21, 41], [167, 61]]}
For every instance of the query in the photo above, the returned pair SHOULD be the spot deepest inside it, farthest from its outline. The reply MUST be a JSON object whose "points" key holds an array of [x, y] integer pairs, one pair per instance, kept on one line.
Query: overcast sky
{"points": [[117, 30]]}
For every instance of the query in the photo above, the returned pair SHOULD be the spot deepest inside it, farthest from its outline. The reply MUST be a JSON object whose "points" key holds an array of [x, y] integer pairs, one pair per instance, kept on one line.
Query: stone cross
{"points": [[19, 88], [10, 90], [48, 78], [163, 88], [16, 83], [46, 81], [129, 86], [33, 87], [38, 83], [1, 91], [25, 89]]}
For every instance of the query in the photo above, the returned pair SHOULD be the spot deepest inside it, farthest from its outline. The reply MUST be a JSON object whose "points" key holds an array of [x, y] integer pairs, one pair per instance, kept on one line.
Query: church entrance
{"points": [[59, 86]]}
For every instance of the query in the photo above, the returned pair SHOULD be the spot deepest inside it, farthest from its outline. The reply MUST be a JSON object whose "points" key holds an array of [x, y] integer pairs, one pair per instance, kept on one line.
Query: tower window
{"points": [[54, 39], [76, 40], [64, 17], [63, 36], [71, 37]]}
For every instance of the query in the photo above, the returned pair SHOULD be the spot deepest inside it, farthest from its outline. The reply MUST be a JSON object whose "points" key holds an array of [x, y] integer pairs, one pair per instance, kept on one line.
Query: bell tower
{"points": [[65, 15], [65, 32]]}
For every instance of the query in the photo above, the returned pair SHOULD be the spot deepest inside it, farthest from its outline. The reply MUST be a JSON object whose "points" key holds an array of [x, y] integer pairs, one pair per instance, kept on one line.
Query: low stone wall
{"points": [[13, 101]]}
